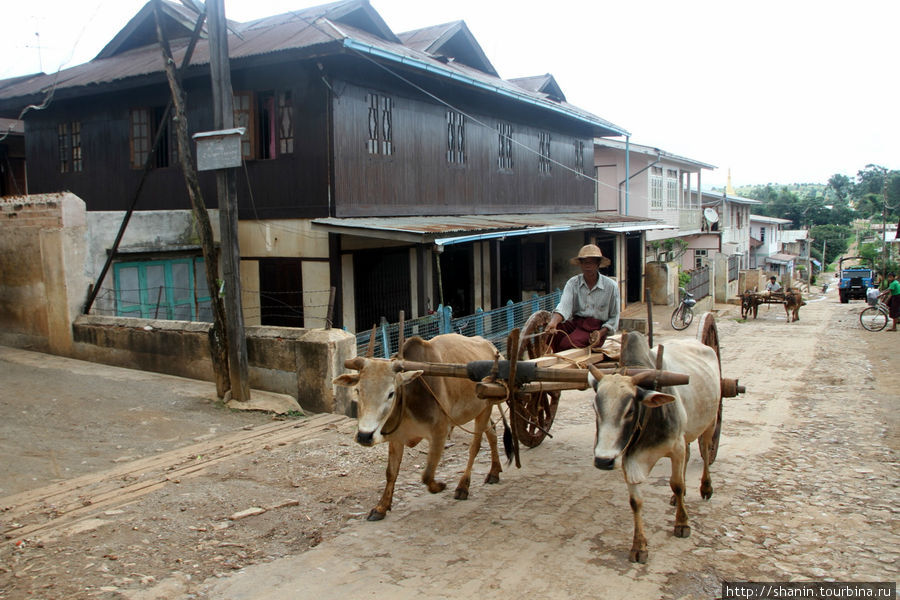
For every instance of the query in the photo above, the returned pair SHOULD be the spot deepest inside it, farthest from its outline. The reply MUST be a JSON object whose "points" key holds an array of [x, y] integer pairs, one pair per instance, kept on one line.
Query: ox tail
{"points": [[508, 448]]}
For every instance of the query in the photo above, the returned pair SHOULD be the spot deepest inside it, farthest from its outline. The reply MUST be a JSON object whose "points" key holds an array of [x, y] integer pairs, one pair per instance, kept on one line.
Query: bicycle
{"points": [[875, 317], [684, 312]]}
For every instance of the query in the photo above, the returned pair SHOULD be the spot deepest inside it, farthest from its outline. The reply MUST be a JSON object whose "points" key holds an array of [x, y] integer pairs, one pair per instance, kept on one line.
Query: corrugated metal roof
{"points": [[780, 258], [651, 151], [309, 29], [429, 228]]}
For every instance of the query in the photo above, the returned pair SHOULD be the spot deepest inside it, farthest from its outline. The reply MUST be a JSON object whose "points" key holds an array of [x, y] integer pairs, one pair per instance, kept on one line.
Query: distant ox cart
{"points": [[791, 299]]}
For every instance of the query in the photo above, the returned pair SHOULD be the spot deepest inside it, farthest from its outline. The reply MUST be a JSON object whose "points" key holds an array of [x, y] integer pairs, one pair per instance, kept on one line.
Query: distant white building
{"points": [[767, 242]]}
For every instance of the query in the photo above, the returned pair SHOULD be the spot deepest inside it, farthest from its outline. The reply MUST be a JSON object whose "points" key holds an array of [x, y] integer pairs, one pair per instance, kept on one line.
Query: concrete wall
{"points": [[662, 279], [297, 362], [43, 279]]}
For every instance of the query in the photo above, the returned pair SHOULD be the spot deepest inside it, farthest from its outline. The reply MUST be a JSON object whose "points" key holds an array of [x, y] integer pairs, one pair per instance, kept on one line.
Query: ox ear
{"points": [[348, 379], [407, 376], [652, 399]]}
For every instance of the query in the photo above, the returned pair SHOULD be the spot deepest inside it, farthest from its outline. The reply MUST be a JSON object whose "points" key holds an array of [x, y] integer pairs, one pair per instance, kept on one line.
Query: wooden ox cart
{"points": [[751, 300], [531, 381]]}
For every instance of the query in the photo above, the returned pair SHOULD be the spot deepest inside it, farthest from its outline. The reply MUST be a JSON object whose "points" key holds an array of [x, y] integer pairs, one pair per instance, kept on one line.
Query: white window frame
{"points": [[671, 189], [655, 188]]}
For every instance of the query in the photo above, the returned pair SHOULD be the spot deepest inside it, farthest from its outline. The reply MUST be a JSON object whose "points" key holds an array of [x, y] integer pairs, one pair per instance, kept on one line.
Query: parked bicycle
{"points": [[875, 317], [684, 312]]}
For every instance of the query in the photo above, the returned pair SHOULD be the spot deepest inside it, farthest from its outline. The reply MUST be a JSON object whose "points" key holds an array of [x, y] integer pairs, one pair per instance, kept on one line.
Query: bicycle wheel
{"points": [[873, 318], [682, 317]]}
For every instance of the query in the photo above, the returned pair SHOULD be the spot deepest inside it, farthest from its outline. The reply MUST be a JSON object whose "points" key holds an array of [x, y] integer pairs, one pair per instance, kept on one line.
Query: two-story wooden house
{"points": [[399, 169]]}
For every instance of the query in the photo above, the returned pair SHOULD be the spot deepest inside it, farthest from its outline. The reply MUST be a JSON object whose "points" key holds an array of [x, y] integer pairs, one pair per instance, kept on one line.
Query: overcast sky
{"points": [[777, 91]]}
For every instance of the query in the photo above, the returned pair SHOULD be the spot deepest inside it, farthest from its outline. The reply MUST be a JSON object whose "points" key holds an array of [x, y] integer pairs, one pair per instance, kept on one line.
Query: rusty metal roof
{"points": [[347, 27], [458, 228]]}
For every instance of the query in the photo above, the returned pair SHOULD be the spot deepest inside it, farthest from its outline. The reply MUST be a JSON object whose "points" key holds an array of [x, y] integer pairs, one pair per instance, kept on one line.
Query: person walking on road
{"points": [[589, 303], [891, 297]]}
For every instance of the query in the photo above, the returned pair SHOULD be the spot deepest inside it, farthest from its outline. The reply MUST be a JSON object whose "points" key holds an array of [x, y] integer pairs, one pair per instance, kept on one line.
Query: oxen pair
{"points": [[635, 423]]}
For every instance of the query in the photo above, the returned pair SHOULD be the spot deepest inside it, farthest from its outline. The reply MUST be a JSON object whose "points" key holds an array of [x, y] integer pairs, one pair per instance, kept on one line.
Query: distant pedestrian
{"points": [[891, 297]]}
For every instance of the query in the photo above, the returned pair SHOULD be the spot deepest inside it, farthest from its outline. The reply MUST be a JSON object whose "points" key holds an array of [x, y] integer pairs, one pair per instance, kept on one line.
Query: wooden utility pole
{"points": [[218, 337], [223, 116]]}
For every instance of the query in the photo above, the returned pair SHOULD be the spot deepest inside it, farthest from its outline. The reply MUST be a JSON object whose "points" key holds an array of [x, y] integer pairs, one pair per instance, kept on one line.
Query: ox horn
{"points": [[370, 351], [357, 362]]}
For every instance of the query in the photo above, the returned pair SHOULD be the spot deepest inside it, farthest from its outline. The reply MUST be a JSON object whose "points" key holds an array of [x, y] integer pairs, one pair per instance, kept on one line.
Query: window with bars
{"points": [[381, 124], [544, 164], [671, 189], [579, 157], [504, 146], [69, 147], [656, 188], [143, 128], [63, 144], [456, 138]]}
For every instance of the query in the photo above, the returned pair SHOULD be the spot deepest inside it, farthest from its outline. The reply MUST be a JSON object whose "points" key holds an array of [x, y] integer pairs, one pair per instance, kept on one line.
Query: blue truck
{"points": [[855, 279]]}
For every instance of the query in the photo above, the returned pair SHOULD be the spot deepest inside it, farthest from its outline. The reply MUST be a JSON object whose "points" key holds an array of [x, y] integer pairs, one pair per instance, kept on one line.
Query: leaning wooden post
{"points": [[649, 317]]}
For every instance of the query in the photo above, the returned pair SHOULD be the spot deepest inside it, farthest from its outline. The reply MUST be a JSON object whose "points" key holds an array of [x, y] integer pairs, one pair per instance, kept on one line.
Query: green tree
{"points": [[836, 239]]}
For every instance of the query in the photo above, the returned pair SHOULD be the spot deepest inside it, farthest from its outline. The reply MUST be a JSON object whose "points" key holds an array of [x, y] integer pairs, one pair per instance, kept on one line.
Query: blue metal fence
{"points": [[493, 325]]}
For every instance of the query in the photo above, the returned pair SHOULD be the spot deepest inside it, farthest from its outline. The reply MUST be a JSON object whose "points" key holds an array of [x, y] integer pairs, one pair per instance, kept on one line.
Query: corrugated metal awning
{"points": [[446, 230], [781, 259]]}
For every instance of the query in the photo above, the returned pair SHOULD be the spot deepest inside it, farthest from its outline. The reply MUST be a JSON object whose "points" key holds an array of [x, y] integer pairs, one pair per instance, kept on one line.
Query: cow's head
{"points": [[378, 392], [620, 407]]}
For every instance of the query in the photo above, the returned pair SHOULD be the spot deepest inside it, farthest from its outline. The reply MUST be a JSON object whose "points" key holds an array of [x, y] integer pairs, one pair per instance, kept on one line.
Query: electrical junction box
{"points": [[219, 149]]}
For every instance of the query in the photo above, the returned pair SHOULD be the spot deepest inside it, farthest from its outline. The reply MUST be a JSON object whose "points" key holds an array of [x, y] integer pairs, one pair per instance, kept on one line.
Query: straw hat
{"points": [[590, 251]]}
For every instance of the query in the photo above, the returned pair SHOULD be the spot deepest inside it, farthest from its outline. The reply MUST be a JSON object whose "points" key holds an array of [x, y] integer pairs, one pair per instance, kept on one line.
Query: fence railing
{"points": [[494, 325], [698, 285]]}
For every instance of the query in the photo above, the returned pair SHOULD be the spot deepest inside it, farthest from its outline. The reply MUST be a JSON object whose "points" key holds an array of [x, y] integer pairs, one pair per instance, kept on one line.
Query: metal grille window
{"points": [[381, 123], [456, 137], [63, 141], [76, 146], [504, 146], [579, 157], [285, 123], [544, 163], [762, 234], [656, 188], [671, 189]]}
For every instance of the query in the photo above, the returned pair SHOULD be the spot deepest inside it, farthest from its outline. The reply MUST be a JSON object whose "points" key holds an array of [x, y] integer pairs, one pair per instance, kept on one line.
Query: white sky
{"points": [[777, 91]]}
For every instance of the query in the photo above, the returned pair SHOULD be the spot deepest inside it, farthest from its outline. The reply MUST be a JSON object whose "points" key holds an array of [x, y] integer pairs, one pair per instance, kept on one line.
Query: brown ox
{"points": [[402, 408], [793, 300], [640, 425]]}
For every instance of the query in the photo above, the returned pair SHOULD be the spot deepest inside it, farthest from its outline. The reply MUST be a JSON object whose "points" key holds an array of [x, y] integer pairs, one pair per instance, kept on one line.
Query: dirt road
{"points": [[805, 489]]}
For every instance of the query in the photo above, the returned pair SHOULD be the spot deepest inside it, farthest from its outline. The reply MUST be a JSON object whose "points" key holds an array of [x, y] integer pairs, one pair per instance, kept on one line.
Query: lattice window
{"points": [[504, 146], [76, 146], [243, 117], [671, 189], [579, 157], [381, 122], [544, 164], [140, 137], [63, 141], [285, 123], [456, 137], [700, 256], [656, 188]]}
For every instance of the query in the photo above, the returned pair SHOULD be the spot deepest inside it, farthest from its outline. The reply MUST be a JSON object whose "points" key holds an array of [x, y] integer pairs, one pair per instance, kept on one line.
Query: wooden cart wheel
{"points": [[537, 409], [708, 334]]}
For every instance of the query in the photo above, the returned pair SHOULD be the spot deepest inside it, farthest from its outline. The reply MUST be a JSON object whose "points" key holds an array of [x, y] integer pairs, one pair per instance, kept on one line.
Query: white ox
{"points": [[402, 408], [641, 426]]}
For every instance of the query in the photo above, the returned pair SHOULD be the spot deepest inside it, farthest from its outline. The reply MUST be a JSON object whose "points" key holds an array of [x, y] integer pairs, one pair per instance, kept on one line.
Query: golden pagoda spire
{"points": [[729, 189]]}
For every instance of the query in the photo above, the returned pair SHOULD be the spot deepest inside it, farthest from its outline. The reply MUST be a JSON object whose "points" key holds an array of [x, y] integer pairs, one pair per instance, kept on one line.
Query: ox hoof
{"points": [[682, 531], [706, 492], [461, 494], [673, 500], [436, 487], [375, 515], [492, 478], [638, 556]]}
